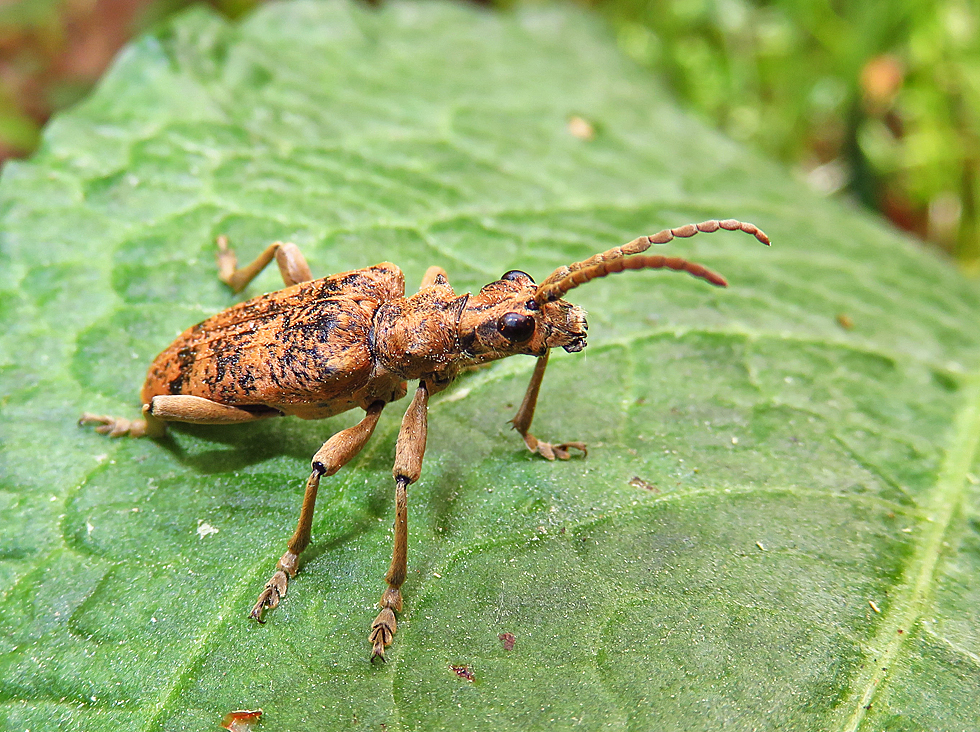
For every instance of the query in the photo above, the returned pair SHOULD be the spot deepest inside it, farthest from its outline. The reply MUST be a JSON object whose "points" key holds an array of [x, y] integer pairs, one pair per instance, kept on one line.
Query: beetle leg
{"points": [[522, 420], [292, 264], [119, 426], [198, 410], [335, 453], [173, 408], [408, 466], [431, 275]]}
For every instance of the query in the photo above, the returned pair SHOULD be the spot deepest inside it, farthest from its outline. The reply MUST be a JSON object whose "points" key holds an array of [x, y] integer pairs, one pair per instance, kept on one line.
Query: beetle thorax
{"points": [[415, 336]]}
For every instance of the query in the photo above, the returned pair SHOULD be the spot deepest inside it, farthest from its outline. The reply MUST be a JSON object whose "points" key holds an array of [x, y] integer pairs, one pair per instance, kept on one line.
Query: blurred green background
{"points": [[878, 102]]}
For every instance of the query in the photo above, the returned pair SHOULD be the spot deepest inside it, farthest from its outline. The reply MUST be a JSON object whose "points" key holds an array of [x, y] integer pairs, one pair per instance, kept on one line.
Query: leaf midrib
{"points": [[912, 597]]}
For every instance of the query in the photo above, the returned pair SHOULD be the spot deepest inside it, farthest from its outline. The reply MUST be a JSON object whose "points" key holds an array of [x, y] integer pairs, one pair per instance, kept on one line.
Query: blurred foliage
{"points": [[53, 51], [880, 100]]}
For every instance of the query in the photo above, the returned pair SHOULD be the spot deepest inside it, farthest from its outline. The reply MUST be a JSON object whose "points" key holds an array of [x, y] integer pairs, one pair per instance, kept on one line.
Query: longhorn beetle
{"points": [[321, 347]]}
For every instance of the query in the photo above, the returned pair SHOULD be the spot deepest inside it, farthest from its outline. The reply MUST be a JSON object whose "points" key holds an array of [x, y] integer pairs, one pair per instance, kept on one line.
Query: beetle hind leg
{"points": [[174, 408], [149, 426]]}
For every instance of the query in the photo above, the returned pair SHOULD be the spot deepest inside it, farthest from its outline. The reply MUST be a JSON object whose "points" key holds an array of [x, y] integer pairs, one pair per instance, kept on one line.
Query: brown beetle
{"points": [[321, 347]]}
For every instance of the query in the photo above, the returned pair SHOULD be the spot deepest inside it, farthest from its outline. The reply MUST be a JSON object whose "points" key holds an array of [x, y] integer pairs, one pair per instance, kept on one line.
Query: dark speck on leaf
{"points": [[638, 482]]}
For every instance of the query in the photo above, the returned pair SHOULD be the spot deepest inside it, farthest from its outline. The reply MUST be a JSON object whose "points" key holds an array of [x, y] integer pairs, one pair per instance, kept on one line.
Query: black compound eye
{"points": [[516, 327], [515, 274]]}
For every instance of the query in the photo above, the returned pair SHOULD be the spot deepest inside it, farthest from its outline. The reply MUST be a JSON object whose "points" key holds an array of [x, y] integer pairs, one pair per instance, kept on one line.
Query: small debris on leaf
{"points": [[463, 672], [844, 321], [581, 128], [508, 639], [759, 544], [205, 529], [873, 606], [638, 482], [241, 720]]}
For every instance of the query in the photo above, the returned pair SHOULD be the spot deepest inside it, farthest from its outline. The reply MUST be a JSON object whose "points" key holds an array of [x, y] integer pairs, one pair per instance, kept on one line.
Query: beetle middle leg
{"points": [[331, 457], [525, 413], [432, 275], [408, 467], [292, 264]]}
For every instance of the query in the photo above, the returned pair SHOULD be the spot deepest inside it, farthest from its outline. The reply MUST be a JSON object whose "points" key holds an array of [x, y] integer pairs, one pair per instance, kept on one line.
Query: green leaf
{"points": [[778, 523]]}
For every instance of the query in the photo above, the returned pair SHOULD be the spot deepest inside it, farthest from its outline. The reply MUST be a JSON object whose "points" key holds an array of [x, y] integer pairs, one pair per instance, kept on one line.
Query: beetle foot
{"points": [[551, 452], [275, 590], [114, 426], [384, 626], [226, 260], [561, 451]]}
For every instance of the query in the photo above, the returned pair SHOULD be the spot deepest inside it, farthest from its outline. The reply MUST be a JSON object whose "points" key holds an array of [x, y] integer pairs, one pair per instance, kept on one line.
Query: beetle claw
{"points": [[114, 426], [562, 450], [559, 452], [382, 632], [275, 590]]}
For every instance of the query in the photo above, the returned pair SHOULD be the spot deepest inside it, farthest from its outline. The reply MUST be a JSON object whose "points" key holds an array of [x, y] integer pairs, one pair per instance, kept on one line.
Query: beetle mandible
{"points": [[321, 347]]}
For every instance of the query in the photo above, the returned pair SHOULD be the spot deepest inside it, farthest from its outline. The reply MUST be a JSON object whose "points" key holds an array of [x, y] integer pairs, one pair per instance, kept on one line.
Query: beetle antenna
{"points": [[556, 290], [641, 244]]}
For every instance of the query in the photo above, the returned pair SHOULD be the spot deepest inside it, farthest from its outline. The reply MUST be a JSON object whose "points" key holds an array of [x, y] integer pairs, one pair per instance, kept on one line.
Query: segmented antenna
{"points": [[557, 290], [556, 281]]}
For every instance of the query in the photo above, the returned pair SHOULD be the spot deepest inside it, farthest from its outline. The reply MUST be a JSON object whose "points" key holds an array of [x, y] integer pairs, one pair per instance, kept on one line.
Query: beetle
{"points": [[320, 347]]}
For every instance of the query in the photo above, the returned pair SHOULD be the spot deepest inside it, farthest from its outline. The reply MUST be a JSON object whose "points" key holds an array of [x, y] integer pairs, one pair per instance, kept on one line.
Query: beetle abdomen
{"points": [[304, 345]]}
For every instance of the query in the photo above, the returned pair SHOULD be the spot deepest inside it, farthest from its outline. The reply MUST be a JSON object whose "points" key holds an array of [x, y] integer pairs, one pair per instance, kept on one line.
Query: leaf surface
{"points": [[777, 523]]}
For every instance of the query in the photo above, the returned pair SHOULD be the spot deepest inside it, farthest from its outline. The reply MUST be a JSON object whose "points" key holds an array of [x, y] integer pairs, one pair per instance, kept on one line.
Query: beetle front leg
{"points": [[408, 467], [292, 264], [522, 420], [335, 453]]}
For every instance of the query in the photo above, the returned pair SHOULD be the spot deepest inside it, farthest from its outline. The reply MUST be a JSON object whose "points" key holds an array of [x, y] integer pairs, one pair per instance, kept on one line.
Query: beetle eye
{"points": [[516, 327], [515, 274]]}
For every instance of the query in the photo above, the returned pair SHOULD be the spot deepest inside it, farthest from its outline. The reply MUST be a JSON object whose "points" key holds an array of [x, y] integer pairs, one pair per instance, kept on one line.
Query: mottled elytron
{"points": [[321, 347]]}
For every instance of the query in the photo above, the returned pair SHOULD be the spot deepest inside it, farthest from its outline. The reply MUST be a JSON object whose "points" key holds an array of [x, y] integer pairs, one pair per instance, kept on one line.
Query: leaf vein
{"points": [[911, 599]]}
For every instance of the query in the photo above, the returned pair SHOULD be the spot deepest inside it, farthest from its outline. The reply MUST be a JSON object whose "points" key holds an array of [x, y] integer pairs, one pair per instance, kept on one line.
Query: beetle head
{"points": [[513, 315], [504, 319]]}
